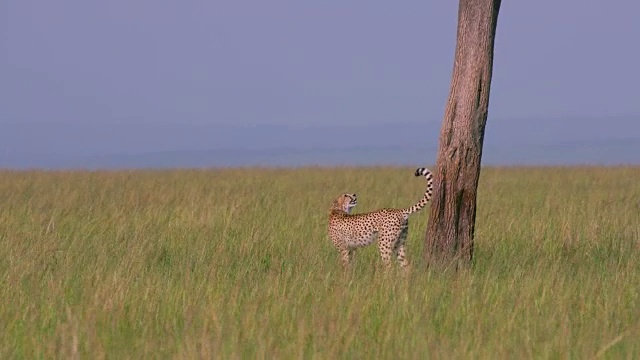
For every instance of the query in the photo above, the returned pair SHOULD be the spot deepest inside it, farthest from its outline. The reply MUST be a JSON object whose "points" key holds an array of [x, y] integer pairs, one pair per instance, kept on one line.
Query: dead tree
{"points": [[450, 234]]}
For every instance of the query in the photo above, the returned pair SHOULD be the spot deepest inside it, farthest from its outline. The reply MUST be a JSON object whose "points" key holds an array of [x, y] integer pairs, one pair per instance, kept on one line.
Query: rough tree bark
{"points": [[450, 233]]}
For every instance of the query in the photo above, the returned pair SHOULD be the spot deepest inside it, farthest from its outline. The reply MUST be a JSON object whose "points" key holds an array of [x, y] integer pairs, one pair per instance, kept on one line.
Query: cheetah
{"points": [[389, 226]]}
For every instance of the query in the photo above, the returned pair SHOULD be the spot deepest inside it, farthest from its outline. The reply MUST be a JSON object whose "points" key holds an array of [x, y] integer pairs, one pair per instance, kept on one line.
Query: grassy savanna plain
{"points": [[235, 263]]}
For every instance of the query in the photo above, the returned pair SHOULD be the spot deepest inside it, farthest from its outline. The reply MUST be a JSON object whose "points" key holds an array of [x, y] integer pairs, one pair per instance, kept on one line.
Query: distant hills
{"points": [[598, 141]]}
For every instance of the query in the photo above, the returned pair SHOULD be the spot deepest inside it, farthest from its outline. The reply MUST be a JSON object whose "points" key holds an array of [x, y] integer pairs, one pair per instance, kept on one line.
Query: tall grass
{"points": [[235, 263]]}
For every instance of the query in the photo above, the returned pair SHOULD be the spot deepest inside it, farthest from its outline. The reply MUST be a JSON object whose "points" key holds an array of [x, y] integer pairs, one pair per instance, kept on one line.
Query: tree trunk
{"points": [[450, 233]]}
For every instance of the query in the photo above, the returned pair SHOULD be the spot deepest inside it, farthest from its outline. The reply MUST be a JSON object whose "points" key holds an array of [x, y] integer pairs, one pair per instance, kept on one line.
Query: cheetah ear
{"points": [[337, 202]]}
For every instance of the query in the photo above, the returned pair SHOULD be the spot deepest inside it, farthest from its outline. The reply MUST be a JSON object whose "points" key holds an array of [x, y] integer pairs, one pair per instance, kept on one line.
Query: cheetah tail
{"points": [[427, 194]]}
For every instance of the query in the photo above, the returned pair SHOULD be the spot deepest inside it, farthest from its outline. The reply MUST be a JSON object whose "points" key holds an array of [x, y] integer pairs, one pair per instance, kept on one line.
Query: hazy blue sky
{"points": [[100, 63], [303, 62]]}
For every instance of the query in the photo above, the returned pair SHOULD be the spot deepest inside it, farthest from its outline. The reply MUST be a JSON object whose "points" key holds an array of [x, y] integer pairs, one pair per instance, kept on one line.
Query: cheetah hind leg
{"points": [[385, 246], [399, 249]]}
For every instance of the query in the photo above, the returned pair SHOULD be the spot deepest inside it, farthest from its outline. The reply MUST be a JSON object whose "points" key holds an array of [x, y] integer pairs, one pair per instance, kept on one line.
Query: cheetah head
{"points": [[345, 202]]}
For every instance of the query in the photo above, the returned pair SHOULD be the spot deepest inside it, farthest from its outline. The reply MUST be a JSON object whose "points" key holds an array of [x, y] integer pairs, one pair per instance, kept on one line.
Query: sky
{"points": [[119, 63]]}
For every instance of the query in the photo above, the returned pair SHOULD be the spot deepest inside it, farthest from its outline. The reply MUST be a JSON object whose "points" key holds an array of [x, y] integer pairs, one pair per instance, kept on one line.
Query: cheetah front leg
{"points": [[346, 255]]}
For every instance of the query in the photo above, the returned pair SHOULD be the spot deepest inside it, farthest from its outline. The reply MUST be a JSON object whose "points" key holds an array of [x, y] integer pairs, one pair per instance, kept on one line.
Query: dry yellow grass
{"points": [[236, 264]]}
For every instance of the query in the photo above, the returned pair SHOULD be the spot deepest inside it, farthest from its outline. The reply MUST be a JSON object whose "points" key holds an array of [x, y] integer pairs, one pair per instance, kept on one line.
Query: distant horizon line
{"points": [[310, 124], [310, 166]]}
